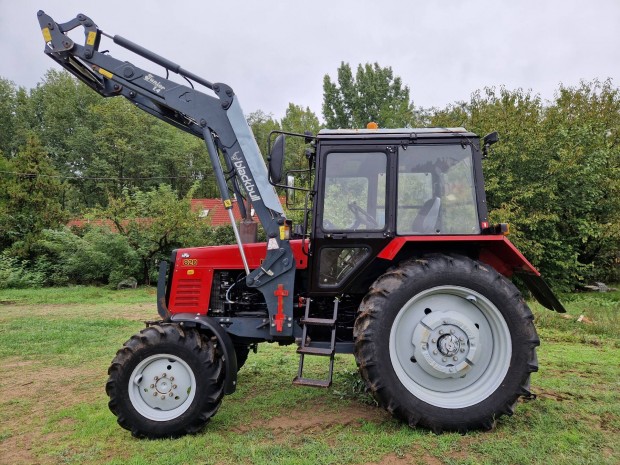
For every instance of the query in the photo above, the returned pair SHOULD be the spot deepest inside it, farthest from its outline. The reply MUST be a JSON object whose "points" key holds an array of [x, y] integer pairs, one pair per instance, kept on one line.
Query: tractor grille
{"points": [[187, 294]]}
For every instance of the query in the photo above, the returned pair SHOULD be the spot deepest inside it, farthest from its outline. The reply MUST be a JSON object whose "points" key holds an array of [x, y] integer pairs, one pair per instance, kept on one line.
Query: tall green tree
{"points": [[8, 103], [298, 120], [262, 124], [374, 94], [30, 198]]}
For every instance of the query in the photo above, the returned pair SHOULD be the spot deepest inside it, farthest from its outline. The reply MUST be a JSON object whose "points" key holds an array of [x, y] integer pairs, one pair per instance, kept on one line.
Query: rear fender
{"points": [[494, 250], [541, 291]]}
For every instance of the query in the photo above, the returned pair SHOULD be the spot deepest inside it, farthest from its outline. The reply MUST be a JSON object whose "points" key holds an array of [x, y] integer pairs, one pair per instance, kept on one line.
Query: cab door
{"points": [[352, 219]]}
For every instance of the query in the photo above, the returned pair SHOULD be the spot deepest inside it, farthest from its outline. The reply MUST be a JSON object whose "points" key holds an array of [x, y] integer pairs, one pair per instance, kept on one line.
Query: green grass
{"points": [[56, 344]]}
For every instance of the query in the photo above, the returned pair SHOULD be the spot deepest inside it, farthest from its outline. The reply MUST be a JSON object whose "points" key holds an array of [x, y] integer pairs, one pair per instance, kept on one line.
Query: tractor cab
{"points": [[373, 185]]}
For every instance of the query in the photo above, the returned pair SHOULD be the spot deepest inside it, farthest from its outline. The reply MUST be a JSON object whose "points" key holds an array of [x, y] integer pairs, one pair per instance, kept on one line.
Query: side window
{"points": [[355, 190], [436, 193]]}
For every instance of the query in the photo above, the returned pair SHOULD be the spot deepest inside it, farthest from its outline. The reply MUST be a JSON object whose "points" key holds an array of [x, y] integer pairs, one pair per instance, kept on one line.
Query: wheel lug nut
{"points": [[434, 352], [451, 331], [172, 378], [163, 397], [174, 386], [163, 375], [156, 378], [441, 331], [170, 394], [443, 359], [433, 340], [155, 394], [462, 350], [152, 386], [455, 358]]}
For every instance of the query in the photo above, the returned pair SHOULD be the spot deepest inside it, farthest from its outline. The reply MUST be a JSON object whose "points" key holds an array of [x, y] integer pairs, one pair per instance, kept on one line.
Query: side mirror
{"points": [[489, 140], [276, 160]]}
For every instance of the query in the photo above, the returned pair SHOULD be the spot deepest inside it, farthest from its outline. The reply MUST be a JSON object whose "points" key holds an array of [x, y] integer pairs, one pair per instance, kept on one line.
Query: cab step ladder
{"points": [[306, 347]]}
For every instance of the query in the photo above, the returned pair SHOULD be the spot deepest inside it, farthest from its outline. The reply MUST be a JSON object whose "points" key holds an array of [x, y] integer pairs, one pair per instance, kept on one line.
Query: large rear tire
{"points": [[446, 342], [166, 381]]}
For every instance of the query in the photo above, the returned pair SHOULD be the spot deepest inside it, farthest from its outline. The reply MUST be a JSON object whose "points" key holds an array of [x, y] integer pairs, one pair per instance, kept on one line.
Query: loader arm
{"points": [[217, 119]]}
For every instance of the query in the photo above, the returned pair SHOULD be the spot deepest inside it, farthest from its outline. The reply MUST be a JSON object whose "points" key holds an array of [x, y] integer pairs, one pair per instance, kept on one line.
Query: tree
{"points": [[154, 222], [262, 124], [298, 120], [8, 102], [375, 94], [30, 198]]}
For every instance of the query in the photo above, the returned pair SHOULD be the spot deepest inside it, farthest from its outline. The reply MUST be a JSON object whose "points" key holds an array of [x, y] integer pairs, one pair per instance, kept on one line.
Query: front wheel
{"points": [[166, 381], [445, 342]]}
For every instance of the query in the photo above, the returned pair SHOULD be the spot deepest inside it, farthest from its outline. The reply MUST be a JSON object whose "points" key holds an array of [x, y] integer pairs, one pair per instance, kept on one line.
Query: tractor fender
{"points": [[494, 250], [225, 344]]}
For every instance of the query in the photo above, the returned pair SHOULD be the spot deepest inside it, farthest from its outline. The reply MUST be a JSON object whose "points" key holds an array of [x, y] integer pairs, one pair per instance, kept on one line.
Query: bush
{"points": [[15, 274], [97, 257]]}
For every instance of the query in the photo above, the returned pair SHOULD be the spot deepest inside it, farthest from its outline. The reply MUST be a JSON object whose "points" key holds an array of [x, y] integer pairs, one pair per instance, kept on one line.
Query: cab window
{"points": [[436, 193], [355, 191]]}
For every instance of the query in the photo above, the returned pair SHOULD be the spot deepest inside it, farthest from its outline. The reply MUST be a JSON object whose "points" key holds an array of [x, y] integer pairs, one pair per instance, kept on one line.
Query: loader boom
{"points": [[218, 119]]}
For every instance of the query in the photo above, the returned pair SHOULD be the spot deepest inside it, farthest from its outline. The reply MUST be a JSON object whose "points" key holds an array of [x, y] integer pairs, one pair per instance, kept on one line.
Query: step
{"points": [[311, 382], [328, 352], [318, 321]]}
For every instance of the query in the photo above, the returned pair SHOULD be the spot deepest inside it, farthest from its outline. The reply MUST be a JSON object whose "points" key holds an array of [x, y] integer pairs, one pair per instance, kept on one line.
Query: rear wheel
{"points": [[165, 381], [446, 342]]}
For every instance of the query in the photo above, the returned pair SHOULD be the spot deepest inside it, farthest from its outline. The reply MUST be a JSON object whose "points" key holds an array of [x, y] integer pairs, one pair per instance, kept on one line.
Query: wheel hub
{"points": [[162, 383], [445, 344], [448, 345]]}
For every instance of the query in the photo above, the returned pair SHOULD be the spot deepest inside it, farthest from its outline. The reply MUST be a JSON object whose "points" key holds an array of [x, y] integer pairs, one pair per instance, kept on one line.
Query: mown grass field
{"points": [[56, 344]]}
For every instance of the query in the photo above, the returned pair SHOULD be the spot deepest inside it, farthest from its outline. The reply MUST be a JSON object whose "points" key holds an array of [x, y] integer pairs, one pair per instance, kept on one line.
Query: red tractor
{"points": [[394, 262]]}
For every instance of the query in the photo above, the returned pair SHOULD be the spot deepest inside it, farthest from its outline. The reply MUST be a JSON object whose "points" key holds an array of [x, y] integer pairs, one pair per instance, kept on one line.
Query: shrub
{"points": [[15, 274]]}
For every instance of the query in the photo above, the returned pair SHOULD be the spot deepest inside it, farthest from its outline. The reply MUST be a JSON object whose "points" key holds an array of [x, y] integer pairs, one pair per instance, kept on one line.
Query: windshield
{"points": [[436, 193]]}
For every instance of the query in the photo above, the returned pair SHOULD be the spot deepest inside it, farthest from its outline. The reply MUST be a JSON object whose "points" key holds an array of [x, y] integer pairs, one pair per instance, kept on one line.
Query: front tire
{"points": [[445, 342], [166, 381]]}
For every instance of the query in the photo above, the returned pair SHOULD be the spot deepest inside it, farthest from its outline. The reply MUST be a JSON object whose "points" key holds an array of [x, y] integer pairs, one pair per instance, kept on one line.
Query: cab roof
{"points": [[410, 133]]}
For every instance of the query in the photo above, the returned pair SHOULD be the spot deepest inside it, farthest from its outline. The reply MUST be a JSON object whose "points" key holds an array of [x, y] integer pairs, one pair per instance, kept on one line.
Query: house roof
{"points": [[216, 214]]}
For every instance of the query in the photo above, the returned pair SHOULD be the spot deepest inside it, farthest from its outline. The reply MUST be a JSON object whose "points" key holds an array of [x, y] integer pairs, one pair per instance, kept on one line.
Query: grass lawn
{"points": [[56, 345]]}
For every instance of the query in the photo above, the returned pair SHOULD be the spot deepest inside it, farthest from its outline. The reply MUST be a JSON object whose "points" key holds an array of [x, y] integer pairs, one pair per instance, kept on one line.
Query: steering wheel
{"points": [[361, 217]]}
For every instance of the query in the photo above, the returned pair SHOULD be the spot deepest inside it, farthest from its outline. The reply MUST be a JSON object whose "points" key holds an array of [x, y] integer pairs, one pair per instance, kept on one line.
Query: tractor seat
{"points": [[426, 220]]}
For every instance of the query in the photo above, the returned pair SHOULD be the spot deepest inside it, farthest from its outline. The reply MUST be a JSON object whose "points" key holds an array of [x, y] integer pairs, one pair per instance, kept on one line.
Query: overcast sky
{"points": [[274, 52]]}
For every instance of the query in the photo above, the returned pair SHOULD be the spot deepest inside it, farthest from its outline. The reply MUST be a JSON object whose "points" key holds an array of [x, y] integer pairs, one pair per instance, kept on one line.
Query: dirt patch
{"points": [[554, 395], [34, 381], [393, 459], [31, 392], [319, 419]]}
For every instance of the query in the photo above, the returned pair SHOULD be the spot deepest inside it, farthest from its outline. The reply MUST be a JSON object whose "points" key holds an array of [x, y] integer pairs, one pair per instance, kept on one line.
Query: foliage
{"points": [[99, 256], [374, 94], [30, 199], [16, 274], [153, 222], [299, 121], [262, 124], [8, 102]]}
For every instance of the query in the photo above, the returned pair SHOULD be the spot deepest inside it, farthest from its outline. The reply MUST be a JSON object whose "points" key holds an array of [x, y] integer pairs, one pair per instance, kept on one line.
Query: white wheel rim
{"points": [[450, 347], [162, 387]]}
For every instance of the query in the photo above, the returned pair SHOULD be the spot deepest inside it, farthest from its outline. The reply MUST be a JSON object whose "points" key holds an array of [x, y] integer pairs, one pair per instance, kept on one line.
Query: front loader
{"points": [[395, 262]]}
